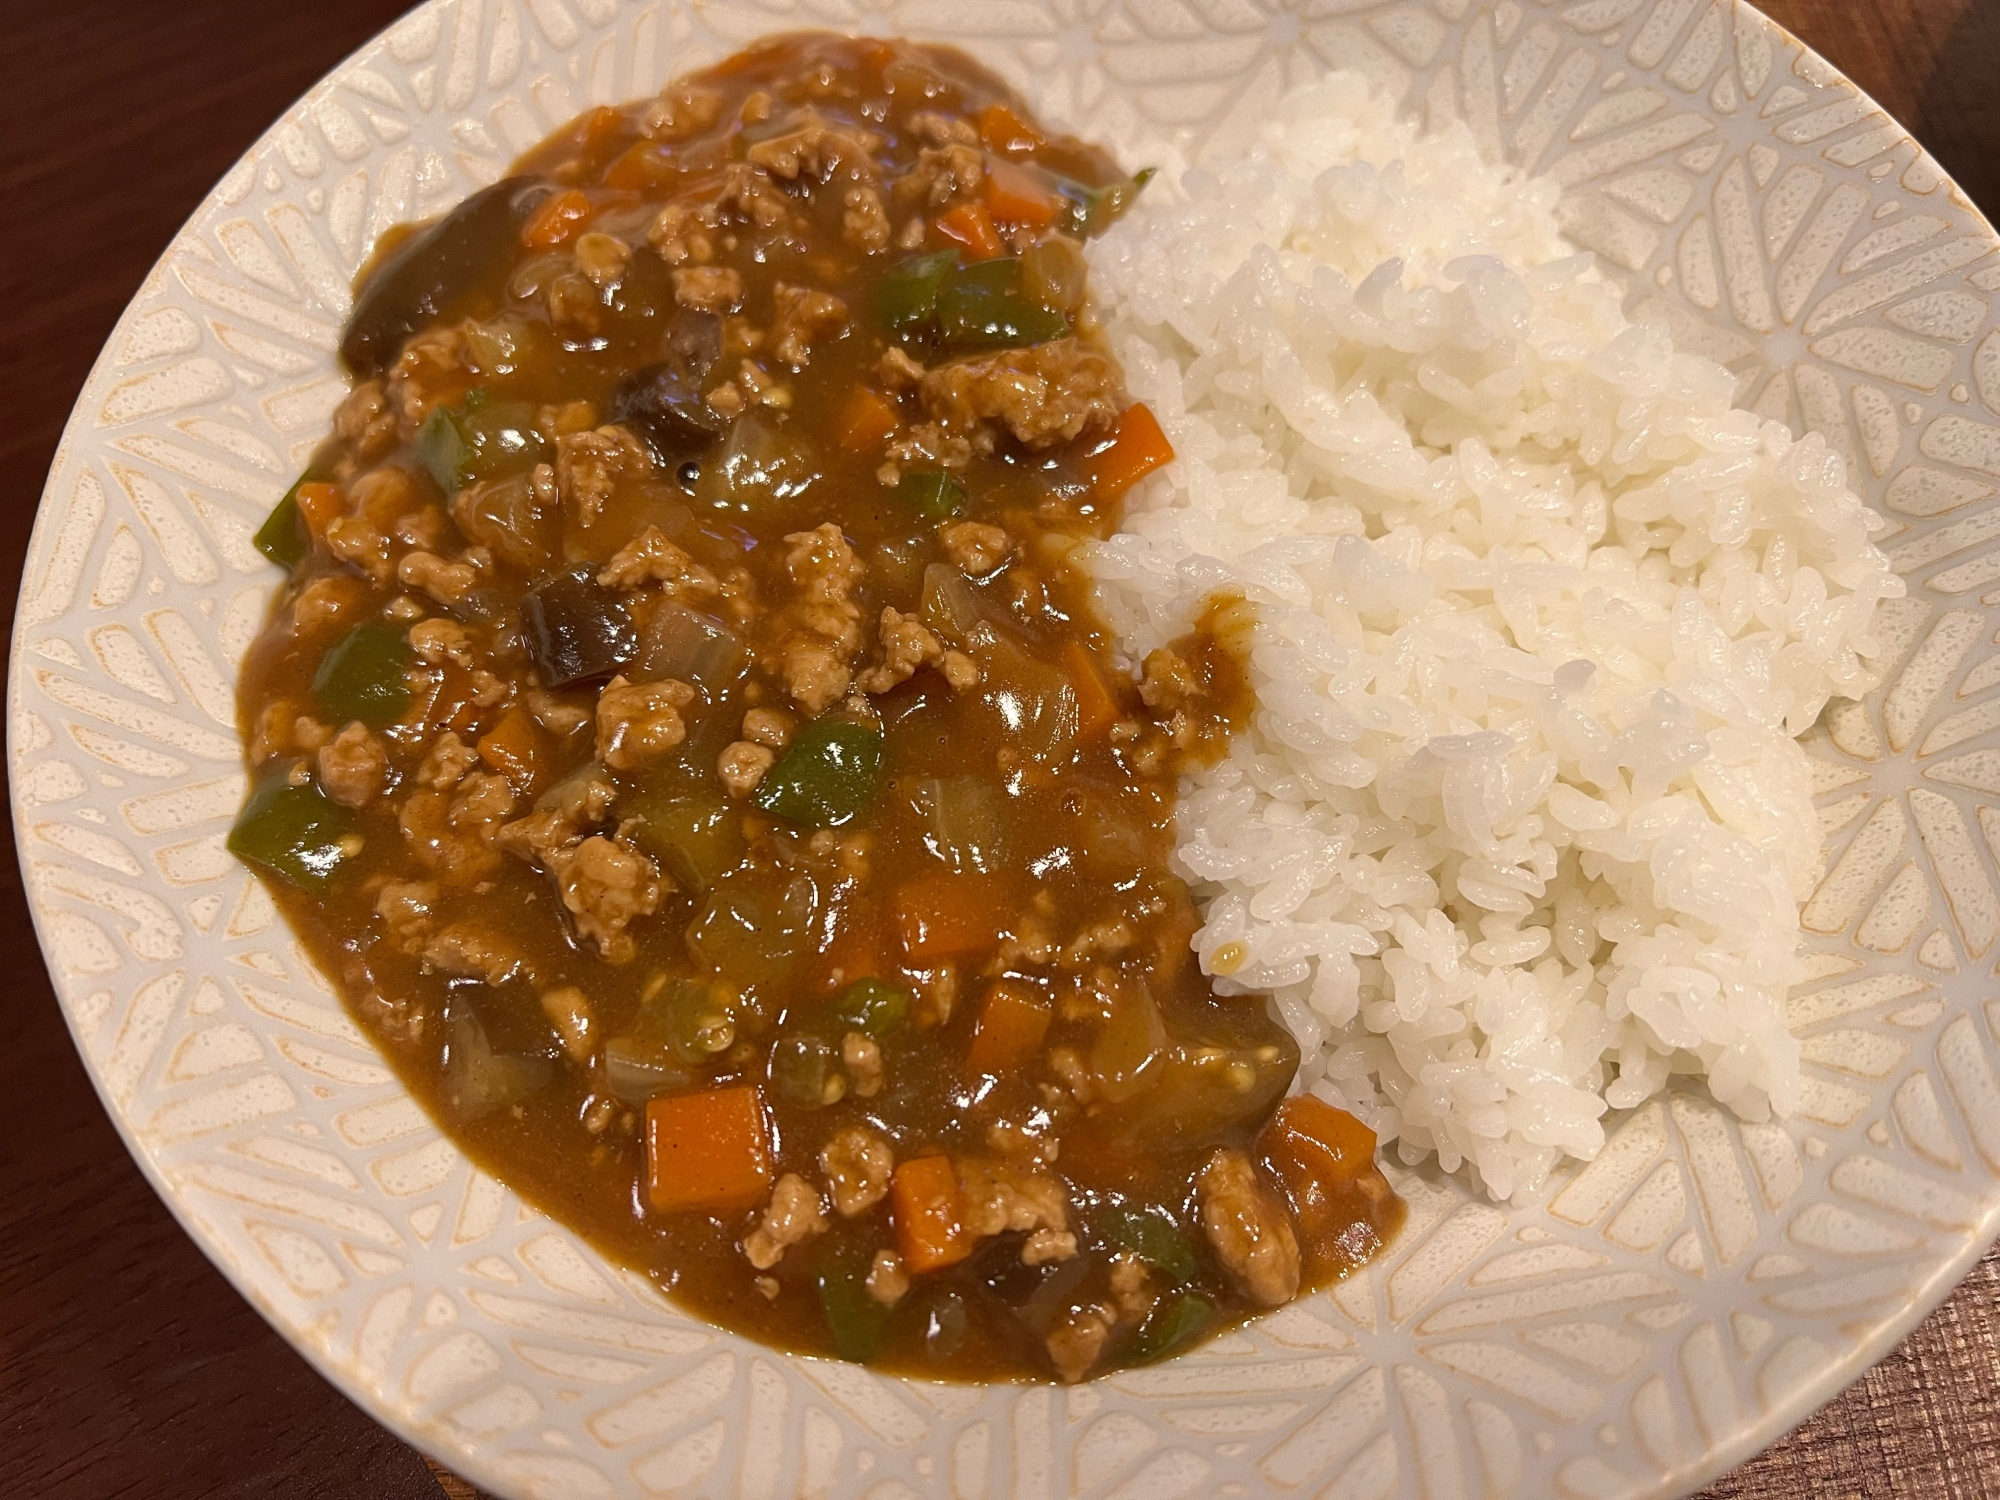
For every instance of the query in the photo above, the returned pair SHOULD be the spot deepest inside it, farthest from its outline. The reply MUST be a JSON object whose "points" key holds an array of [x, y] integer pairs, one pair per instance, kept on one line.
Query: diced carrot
{"points": [[929, 1214], [515, 749], [557, 221], [1003, 130], [710, 1150], [642, 166], [1014, 195], [948, 916], [1329, 1143], [1138, 449], [594, 127], [1012, 1022], [1096, 709], [1325, 1159], [971, 226], [318, 504], [855, 953], [866, 420]]}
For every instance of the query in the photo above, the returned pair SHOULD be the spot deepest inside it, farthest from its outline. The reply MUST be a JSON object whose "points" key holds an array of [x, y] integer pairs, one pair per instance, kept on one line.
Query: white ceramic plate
{"points": [[1647, 1323]]}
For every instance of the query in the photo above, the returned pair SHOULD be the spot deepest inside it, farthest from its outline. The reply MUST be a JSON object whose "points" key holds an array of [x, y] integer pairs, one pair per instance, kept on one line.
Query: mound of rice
{"points": [[1521, 827]]}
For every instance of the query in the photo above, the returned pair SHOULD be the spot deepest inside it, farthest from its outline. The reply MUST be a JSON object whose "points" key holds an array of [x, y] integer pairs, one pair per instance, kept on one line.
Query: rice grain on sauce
{"points": [[1521, 827]]}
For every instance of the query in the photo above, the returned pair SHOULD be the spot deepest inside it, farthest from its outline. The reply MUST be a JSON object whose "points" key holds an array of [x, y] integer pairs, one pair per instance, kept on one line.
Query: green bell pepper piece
{"points": [[983, 307], [854, 1318], [484, 438], [294, 832], [873, 1006], [1091, 211], [282, 537], [695, 834], [1170, 1326], [1151, 1236], [442, 446], [800, 1068], [364, 676], [906, 300], [828, 774], [935, 496]]}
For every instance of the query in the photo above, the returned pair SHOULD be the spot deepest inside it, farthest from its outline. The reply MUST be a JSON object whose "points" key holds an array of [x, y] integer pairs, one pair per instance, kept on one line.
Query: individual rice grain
{"points": [[1521, 827]]}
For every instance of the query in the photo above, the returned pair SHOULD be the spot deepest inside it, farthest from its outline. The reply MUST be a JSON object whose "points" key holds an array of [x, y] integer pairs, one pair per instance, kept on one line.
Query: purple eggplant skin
{"points": [[435, 270], [576, 629]]}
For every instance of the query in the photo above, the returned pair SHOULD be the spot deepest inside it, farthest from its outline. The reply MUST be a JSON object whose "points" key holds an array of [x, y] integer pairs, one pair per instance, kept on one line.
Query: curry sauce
{"points": [[686, 740]]}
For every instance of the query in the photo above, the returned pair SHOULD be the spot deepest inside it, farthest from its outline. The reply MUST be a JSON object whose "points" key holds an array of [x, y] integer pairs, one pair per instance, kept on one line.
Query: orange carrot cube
{"points": [[1139, 448], [1012, 1022], [709, 1151], [929, 1214]]}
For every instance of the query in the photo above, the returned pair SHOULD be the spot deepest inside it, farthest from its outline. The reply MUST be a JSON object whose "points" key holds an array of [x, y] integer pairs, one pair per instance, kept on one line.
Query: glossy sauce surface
{"points": [[686, 740]]}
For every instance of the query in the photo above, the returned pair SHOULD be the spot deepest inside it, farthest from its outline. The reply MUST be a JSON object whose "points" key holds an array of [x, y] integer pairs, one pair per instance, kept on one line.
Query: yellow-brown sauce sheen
{"points": [[686, 740]]}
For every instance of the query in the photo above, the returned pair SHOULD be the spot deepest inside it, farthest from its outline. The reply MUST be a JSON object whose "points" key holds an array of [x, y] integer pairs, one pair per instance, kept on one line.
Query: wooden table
{"points": [[128, 1366]]}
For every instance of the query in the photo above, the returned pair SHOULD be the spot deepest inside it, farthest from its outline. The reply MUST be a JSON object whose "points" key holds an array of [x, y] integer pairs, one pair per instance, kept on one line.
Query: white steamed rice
{"points": [[1521, 827]]}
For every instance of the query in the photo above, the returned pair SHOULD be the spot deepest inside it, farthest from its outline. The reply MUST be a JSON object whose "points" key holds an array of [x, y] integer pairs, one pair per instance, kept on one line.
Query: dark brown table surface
{"points": [[128, 1366]]}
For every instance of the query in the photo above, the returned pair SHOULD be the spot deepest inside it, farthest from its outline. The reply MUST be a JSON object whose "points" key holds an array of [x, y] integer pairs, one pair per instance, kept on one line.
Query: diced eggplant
{"points": [[577, 629], [422, 281], [664, 408]]}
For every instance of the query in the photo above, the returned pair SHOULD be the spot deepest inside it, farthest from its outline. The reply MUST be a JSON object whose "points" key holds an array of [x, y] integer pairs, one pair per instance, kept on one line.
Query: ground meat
{"points": [[943, 130], [975, 548], [354, 540], [767, 726], [606, 885], [446, 582], [559, 819], [857, 1163], [928, 445], [814, 147], [568, 1010], [444, 765], [353, 766], [408, 909], [560, 716], [365, 422], [1114, 935], [864, 223], [897, 370], [325, 600], [941, 174], [430, 371], [1249, 1229], [602, 258], [1046, 1246], [651, 558], [589, 466], [1169, 681], [1045, 394], [1077, 1339], [441, 641], [862, 1057], [960, 671], [887, 1281], [802, 315], [714, 289], [472, 951], [457, 835], [742, 766], [683, 232], [1129, 1286], [749, 194], [794, 1215], [820, 631], [639, 722], [906, 646], [685, 108], [1000, 1198]]}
